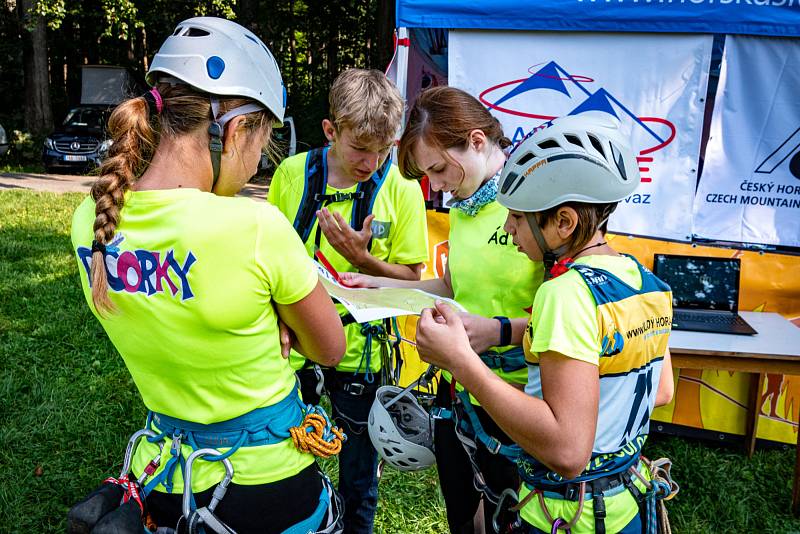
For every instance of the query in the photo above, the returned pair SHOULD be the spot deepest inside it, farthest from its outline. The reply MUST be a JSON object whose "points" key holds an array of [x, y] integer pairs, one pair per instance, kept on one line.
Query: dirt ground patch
{"points": [[65, 183]]}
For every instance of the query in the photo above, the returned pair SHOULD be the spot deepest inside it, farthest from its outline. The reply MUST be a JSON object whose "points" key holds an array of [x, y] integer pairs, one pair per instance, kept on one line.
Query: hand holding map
{"points": [[378, 303]]}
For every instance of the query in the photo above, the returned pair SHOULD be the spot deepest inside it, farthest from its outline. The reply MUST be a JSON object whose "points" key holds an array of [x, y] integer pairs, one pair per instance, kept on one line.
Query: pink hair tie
{"points": [[158, 100]]}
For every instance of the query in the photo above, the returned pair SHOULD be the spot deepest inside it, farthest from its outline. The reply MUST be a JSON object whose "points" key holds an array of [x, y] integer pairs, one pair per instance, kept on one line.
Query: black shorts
{"points": [[265, 508]]}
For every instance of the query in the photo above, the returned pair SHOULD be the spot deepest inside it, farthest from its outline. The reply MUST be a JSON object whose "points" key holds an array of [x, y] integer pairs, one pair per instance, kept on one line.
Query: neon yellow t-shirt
{"points": [[194, 277], [567, 319], [489, 275], [399, 209]]}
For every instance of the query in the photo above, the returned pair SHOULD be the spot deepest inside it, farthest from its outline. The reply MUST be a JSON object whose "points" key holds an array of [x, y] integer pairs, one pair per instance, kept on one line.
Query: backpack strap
{"points": [[316, 180], [314, 197], [363, 205]]}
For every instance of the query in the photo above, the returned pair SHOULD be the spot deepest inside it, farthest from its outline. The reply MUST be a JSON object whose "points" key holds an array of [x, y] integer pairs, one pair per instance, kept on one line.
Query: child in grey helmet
{"points": [[593, 378]]}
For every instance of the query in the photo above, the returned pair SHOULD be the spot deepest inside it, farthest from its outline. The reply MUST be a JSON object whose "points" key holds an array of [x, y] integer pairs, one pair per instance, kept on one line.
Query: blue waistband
{"points": [[543, 483], [263, 426], [509, 361]]}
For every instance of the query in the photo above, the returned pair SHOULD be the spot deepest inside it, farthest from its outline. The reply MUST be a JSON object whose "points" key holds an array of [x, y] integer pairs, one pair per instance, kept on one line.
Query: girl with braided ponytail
{"points": [[191, 285]]}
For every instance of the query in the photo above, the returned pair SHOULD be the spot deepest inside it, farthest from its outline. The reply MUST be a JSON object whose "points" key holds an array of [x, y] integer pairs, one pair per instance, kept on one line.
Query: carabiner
{"points": [[132, 443], [219, 491], [508, 492], [319, 389], [561, 524]]}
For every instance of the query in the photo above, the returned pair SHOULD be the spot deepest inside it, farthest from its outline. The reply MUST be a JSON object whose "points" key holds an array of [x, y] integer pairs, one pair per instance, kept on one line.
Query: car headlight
{"points": [[105, 145], [48, 143]]}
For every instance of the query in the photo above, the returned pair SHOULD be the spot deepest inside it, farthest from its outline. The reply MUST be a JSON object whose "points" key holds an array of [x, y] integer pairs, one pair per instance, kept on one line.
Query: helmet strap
{"points": [[217, 128], [549, 256], [215, 144]]}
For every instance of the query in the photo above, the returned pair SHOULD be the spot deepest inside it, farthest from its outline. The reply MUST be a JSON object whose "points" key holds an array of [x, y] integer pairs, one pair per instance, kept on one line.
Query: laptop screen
{"points": [[700, 283]]}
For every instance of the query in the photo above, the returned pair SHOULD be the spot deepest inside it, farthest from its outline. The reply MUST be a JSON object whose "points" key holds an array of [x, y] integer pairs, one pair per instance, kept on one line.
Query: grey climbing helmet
{"points": [[578, 158], [402, 433]]}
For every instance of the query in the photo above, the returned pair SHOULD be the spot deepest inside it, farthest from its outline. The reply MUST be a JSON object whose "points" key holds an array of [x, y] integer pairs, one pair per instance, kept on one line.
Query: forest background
{"points": [[44, 43]]}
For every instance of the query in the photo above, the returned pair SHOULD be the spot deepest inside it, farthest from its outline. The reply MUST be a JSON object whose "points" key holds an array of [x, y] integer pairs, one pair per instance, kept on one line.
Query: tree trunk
{"points": [[38, 115], [292, 46], [385, 44], [246, 15]]}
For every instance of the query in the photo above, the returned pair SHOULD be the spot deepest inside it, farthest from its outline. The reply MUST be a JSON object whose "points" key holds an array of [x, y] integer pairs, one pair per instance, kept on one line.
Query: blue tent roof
{"points": [[755, 17]]}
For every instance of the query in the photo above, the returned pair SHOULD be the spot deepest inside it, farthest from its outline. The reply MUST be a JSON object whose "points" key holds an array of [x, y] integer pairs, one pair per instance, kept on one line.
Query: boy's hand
{"points": [[350, 244], [358, 280]]}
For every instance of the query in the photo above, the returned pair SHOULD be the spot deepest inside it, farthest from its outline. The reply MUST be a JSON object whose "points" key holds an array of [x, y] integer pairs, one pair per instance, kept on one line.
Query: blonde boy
{"points": [[351, 202]]}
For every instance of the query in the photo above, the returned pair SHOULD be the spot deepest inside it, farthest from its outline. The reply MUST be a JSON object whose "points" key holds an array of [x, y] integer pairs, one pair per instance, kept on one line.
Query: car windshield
{"points": [[284, 133], [87, 117]]}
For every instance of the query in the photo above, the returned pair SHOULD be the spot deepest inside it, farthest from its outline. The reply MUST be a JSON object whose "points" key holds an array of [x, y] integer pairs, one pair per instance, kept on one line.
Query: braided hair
{"points": [[135, 128]]}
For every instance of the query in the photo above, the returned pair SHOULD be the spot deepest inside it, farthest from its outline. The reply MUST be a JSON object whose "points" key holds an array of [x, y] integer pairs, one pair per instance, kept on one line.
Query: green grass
{"points": [[35, 168], [67, 406]]}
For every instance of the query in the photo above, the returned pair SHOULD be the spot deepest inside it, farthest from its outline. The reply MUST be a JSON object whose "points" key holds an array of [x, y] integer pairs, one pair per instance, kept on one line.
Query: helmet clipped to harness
{"points": [[221, 58], [401, 430], [578, 158]]}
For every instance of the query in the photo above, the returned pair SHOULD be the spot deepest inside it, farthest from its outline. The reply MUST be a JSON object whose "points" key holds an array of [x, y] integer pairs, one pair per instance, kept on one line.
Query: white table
{"points": [[775, 349]]}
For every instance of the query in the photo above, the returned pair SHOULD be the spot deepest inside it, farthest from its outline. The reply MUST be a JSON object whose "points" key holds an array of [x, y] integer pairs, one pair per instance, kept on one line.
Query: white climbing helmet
{"points": [[578, 158], [403, 433], [220, 57]]}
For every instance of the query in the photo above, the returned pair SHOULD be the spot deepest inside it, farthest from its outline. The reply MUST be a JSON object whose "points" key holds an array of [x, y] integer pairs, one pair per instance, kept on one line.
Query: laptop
{"points": [[705, 293]]}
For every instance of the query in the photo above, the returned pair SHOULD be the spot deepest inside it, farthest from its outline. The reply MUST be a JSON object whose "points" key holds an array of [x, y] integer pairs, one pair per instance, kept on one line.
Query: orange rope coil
{"points": [[314, 436]]}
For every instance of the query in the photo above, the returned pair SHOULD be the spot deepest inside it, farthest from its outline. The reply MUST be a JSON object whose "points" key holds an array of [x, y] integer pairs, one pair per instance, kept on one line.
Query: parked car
{"points": [[80, 143], [3, 142]]}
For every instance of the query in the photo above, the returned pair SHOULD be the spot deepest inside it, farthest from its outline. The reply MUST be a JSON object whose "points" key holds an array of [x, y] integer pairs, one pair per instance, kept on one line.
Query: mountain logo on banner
{"points": [[789, 146], [552, 77]]}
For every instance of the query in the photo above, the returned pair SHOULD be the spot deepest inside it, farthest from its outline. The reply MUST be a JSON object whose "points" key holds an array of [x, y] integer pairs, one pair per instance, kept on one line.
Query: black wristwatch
{"points": [[505, 330]]}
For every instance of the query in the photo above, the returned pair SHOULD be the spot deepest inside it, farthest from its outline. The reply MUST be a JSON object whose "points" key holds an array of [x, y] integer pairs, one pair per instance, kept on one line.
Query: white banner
{"points": [[750, 188], [655, 84]]}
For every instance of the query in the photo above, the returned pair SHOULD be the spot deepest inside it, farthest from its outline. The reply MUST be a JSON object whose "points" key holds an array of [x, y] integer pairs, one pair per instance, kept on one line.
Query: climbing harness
{"points": [[468, 427], [508, 362], [363, 377], [470, 433], [661, 487], [308, 426]]}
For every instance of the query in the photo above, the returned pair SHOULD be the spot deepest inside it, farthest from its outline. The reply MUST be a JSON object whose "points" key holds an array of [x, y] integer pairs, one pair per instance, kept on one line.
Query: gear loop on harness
{"points": [[660, 488], [370, 331], [317, 435], [559, 522]]}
